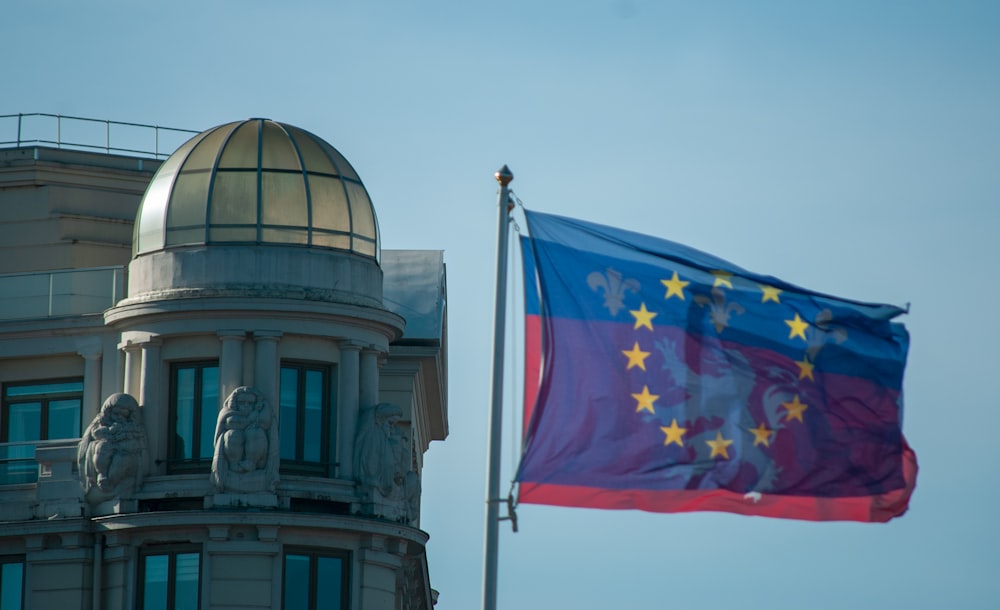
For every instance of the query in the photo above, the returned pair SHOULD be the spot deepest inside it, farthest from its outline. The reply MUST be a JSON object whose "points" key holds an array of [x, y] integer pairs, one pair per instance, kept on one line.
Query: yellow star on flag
{"points": [[798, 327], [795, 409], [770, 293], [720, 446], [675, 287], [643, 317], [722, 278], [645, 400], [674, 434], [636, 357], [805, 368], [761, 435]]}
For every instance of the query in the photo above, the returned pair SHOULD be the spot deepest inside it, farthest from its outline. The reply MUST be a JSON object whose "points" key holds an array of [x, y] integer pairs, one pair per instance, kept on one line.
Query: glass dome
{"points": [[257, 182]]}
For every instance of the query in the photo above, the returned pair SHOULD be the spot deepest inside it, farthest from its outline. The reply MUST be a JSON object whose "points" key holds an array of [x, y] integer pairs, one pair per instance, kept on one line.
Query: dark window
{"points": [[169, 578], [194, 407], [314, 581], [36, 411], [305, 417], [11, 583]]}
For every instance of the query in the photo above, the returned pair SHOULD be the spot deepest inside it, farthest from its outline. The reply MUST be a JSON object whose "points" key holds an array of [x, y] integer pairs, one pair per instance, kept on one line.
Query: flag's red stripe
{"points": [[878, 508], [532, 366]]}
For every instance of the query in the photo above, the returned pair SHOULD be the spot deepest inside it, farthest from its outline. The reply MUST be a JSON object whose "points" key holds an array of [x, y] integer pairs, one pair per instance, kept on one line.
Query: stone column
{"points": [[380, 570], [368, 391], [130, 380], [266, 366], [230, 363], [348, 406], [155, 409], [91, 383]]}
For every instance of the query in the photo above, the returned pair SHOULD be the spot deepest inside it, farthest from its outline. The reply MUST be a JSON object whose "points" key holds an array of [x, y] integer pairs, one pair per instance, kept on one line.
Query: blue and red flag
{"points": [[665, 379]]}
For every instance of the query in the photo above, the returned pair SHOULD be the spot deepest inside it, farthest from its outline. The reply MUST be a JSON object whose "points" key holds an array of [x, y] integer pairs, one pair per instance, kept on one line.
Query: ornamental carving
{"points": [[112, 454], [246, 444]]}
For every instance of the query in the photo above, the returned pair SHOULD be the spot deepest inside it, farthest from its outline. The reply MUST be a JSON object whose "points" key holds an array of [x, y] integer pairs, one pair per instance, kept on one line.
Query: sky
{"points": [[851, 147]]}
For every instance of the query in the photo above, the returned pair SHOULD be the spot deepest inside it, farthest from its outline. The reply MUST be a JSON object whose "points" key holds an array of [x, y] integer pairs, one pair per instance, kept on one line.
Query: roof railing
{"points": [[80, 133]]}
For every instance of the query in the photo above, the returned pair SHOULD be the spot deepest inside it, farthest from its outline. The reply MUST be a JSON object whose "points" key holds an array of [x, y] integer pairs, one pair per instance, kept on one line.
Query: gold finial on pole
{"points": [[504, 175]]}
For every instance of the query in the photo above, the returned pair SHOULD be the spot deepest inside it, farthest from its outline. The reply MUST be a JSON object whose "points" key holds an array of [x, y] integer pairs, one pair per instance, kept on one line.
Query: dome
{"points": [[257, 182]]}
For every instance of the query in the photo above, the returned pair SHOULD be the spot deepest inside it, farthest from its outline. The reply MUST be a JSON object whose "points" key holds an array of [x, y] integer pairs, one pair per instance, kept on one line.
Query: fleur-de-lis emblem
{"points": [[614, 287], [822, 332], [719, 309]]}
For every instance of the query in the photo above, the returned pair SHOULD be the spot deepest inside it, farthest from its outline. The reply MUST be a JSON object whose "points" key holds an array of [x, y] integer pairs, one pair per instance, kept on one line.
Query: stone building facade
{"points": [[217, 388]]}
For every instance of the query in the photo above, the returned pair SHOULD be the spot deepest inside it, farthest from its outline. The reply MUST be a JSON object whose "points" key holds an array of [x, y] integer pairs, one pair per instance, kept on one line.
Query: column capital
{"points": [[351, 344], [90, 353], [232, 335], [267, 335]]}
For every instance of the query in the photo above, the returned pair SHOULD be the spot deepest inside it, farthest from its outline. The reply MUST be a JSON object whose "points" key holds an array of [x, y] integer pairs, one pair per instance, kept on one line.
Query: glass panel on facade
{"points": [[184, 414], [209, 410], [59, 387], [186, 581], [288, 416], [11, 585], [313, 425], [233, 234], [64, 418], [154, 583], [329, 582], [296, 595]]}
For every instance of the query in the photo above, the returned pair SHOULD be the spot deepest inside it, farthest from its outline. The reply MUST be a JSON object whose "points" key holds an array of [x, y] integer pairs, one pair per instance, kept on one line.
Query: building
{"points": [[217, 388]]}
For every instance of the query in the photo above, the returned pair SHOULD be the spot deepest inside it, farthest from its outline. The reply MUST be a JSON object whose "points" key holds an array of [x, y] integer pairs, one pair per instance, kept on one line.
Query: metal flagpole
{"points": [[503, 176]]}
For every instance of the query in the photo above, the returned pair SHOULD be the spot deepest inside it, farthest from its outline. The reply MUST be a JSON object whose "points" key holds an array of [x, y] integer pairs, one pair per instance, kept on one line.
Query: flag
{"points": [[665, 379]]}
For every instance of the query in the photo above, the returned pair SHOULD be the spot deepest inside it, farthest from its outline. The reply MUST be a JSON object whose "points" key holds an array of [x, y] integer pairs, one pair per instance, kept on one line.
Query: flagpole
{"points": [[503, 176]]}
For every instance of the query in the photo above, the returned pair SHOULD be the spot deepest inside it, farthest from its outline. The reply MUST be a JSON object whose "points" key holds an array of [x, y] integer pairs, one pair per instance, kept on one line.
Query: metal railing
{"points": [[66, 292], [80, 133]]}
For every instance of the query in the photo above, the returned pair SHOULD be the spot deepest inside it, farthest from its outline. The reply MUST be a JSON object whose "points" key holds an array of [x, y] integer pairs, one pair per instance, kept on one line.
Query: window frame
{"points": [[314, 555], [197, 463], [171, 551], [44, 399], [327, 446]]}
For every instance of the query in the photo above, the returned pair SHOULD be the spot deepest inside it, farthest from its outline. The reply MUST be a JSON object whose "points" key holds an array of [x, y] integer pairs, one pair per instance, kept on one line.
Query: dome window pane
{"points": [[283, 199], [361, 210], [329, 204], [234, 198], [187, 204], [313, 156], [331, 240], [241, 150], [277, 151]]}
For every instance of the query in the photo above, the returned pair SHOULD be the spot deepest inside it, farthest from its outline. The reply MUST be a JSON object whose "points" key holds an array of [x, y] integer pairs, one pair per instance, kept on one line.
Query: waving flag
{"points": [[665, 379]]}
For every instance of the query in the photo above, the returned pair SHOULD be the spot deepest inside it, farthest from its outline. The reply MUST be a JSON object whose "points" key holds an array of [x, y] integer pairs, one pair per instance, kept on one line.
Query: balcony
{"points": [[70, 292]]}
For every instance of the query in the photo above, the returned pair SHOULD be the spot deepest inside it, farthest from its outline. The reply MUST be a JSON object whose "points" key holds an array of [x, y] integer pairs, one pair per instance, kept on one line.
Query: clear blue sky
{"points": [[852, 147]]}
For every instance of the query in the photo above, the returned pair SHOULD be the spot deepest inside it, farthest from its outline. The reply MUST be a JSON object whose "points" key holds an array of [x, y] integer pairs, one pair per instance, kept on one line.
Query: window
{"points": [[304, 417], [11, 583], [314, 581], [194, 407], [36, 411], [169, 578]]}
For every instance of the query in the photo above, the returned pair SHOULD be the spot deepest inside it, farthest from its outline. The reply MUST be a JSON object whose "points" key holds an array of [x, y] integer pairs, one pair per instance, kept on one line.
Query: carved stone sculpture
{"points": [[112, 454], [246, 444], [388, 486]]}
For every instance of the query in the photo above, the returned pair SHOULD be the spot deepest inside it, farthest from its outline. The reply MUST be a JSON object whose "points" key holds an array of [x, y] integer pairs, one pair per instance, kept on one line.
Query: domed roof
{"points": [[257, 182]]}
